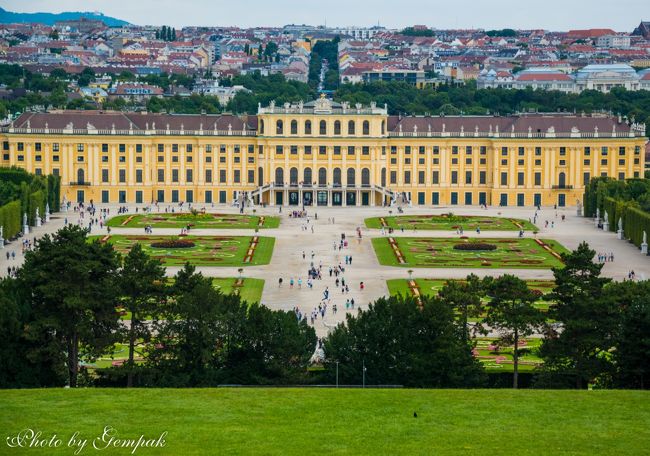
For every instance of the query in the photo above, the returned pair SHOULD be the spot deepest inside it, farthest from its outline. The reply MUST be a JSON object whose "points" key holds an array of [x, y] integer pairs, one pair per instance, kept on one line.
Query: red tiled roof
{"points": [[544, 77]]}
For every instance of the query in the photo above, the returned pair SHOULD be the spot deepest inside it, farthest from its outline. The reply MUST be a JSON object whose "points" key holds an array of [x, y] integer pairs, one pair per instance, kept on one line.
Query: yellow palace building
{"points": [[324, 153]]}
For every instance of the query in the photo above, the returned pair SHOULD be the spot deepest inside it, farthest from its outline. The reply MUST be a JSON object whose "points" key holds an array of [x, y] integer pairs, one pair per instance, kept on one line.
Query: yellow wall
{"points": [[389, 152]]}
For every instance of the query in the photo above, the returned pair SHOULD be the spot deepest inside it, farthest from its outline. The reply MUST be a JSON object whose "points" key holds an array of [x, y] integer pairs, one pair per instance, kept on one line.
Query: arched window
{"points": [[561, 180], [322, 176], [351, 128], [260, 176], [323, 127], [294, 127], [337, 127], [279, 176], [308, 127], [337, 177], [261, 127], [365, 177], [307, 176], [366, 128], [351, 177], [279, 127], [383, 127], [81, 176], [293, 176], [383, 177]]}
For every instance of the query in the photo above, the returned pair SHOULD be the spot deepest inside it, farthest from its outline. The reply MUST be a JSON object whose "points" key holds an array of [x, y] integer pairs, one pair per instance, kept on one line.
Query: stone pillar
{"points": [[644, 248], [605, 226], [620, 234]]}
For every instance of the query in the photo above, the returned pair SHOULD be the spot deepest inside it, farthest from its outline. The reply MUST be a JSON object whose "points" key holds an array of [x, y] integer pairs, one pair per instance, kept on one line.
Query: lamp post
{"points": [[337, 374], [364, 374]]}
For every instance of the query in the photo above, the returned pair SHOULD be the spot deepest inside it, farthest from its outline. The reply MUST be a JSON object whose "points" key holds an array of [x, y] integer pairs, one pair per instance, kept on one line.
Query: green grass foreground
{"points": [[207, 250], [346, 421], [446, 222], [199, 221]]}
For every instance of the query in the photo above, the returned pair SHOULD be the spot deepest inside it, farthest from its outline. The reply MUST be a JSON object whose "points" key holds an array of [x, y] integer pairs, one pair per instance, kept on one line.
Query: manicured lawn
{"points": [[446, 222], [207, 250], [295, 421], [250, 291], [499, 359], [440, 253], [199, 221], [433, 286]]}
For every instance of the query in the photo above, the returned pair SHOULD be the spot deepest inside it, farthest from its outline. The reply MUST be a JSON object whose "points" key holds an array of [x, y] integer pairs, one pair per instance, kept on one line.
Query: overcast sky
{"points": [[621, 15]]}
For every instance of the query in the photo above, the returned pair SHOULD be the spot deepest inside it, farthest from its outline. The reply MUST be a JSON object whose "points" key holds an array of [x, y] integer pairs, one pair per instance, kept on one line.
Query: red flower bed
{"points": [[173, 244], [474, 246]]}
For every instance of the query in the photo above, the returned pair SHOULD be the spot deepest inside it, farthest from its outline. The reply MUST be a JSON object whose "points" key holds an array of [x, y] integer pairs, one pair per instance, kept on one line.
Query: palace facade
{"points": [[324, 153]]}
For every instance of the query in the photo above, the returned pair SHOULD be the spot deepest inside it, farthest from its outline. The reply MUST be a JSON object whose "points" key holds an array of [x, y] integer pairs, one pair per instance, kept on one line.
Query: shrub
{"points": [[474, 246]]}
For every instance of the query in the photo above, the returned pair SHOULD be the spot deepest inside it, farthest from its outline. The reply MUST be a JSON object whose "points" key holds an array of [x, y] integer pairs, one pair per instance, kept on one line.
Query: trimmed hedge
{"points": [[10, 219], [23, 193], [635, 222], [620, 199]]}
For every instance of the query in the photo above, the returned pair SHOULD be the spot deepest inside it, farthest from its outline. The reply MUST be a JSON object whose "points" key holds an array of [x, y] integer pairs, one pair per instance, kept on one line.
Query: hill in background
{"points": [[9, 17]]}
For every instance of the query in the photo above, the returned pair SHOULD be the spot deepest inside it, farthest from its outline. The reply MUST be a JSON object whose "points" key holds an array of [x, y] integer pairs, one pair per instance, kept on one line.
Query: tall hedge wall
{"points": [[620, 199], [10, 219], [635, 222], [26, 192]]}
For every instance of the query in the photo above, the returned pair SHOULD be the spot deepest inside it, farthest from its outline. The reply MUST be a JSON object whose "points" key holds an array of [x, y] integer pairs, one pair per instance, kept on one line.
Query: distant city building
{"points": [[606, 77], [137, 92], [602, 78], [360, 33], [613, 41], [212, 88], [643, 30]]}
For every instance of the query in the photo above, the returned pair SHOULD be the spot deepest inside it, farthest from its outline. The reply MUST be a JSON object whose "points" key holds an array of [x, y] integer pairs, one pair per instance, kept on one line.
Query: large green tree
{"points": [[141, 282], [68, 283], [577, 348], [206, 338], [466, 297], [402, 341], [23, 362], [632, 354], [510, 312]]}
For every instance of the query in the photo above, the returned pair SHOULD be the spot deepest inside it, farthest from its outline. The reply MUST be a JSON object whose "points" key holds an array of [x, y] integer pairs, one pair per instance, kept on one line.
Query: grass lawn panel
{"points": [[433, 286], [281, 421], [207, 251], [515, 253], [446, 223], [201, 221], [250, 291]]}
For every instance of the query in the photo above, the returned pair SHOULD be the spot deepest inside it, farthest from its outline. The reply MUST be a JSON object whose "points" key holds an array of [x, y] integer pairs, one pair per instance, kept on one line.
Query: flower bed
{"points": [[474, 246], [173, 244]]}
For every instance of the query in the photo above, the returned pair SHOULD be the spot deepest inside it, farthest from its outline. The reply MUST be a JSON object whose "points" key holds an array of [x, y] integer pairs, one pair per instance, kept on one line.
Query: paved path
{"points": [[292, 240]]}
